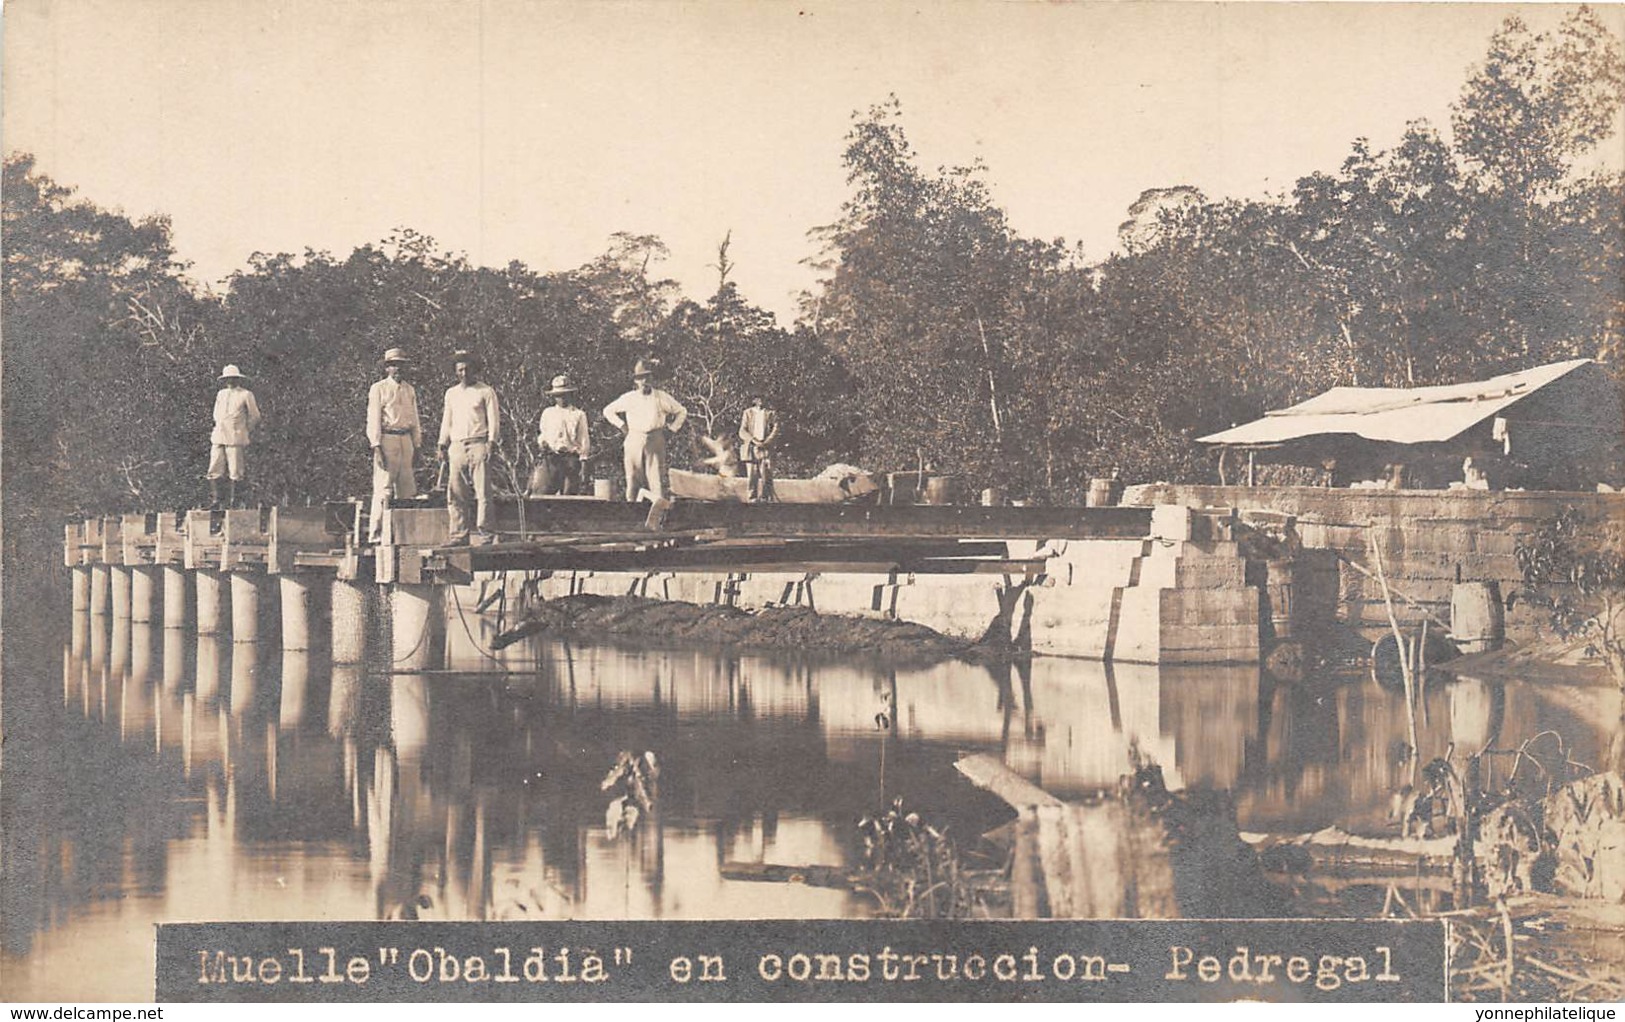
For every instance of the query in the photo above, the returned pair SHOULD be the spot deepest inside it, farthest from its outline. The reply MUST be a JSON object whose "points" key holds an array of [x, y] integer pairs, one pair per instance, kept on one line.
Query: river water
{"points": [[161, 775]]}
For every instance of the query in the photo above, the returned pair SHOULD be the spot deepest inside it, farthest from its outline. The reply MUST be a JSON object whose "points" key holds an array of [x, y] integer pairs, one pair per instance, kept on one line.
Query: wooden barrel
{"points": [[1477, 617], [602, 489], [1104, 493], [993, 496]]}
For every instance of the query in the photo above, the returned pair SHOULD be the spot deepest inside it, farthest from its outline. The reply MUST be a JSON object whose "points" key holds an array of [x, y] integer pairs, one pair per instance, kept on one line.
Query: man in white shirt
{"points": [[645, 416], [758, 429], [236, 414], [395, 432], [470, 427], [565, 441]]}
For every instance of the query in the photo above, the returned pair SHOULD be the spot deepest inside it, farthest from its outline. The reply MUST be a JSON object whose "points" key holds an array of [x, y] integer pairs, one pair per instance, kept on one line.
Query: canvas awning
{"points": [[1397, 415]]}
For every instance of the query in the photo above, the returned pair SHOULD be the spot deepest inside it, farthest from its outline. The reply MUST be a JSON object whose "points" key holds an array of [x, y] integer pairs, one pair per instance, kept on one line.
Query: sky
{"points": [[532, 131]]}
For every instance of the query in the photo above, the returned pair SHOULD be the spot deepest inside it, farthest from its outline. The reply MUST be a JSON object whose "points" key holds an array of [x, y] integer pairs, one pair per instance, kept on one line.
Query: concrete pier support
{"points": [[143, 641], [100, 589], [409, 715], [98, 643], [81, 590], [297, 617], [246, 590], [174, 659], [213, 602], [145, 594], [177, 596], [344, 701], [245, 680], [118, 655], [353, 607], [211, 668], [417, 626], [121, 593], [295, 687]]}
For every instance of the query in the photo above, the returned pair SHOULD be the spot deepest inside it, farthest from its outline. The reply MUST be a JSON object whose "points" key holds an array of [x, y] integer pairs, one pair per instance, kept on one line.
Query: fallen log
{"points": [[1335, 847], [811, 876]]}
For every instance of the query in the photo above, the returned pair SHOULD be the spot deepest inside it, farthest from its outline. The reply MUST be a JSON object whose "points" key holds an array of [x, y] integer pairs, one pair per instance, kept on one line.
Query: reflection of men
{"points": [[645, 415], [564, 438], [395, 432], [469, 427], [758, 428], [236, 414]]}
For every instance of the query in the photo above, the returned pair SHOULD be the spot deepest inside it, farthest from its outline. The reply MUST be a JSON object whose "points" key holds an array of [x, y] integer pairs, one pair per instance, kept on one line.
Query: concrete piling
{"points": [[295, 598], [417, 626], [213, 598], [211, 667], [100, 589], [246, 590], [177, 596], [142, 642], [353, 606], [174, 659], [145, 594], [295, 687], [81, 590], [118, 657], [120, 593]]}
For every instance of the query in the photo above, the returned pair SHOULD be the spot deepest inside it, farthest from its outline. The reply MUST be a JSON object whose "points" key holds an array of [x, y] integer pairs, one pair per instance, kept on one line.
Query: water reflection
{"points": [[192, 778]]}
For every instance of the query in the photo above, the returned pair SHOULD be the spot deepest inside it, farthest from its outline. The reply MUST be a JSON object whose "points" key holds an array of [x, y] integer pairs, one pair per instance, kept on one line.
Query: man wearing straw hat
{"points": [[395, 432], [470, 427], [236, 414], [564, 439], [644, 416]]}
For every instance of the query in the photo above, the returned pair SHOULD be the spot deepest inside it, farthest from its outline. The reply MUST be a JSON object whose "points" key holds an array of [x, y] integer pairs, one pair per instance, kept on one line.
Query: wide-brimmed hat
{"points": [[396, 355], [562, 385], [644, 367], [464, 355], [232, 373]]}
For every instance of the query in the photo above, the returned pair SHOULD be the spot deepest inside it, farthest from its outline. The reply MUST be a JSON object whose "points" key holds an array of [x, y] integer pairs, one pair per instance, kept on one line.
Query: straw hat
{"points": [[232, 373], [396, 355], [642, 369], [562, 385], [464, 355]]}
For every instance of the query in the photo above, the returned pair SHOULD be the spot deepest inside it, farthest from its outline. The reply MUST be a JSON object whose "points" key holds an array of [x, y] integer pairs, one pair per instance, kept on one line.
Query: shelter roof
{"points": [[1401, 415]]}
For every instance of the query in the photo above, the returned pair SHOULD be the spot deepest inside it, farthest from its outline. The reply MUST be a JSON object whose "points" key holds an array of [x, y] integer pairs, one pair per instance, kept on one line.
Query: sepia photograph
{"points": [[706, 500]]}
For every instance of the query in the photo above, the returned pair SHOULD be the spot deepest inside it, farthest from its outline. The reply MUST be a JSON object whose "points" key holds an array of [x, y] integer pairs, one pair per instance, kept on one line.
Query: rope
{"points": [[462, 619], [423, 635]]}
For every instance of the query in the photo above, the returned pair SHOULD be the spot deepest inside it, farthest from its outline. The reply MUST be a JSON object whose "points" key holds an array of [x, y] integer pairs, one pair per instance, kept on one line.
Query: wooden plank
{"points": [[424, 527], [993, 776]]}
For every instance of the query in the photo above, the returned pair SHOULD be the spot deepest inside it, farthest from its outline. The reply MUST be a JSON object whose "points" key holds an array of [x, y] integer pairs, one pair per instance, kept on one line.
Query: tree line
{"points": [[936, 333]]}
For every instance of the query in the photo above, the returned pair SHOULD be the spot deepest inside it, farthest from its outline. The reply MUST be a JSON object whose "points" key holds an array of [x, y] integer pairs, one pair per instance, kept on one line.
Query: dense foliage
{"points": [[937, 334]]}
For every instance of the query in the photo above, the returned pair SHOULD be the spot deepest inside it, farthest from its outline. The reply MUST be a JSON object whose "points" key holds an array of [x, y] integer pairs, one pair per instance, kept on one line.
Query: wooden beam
{"points": [[993, 776]]}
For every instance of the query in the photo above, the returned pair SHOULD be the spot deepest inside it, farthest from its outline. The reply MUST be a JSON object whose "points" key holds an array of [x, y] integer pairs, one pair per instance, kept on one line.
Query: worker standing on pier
{"points": [[644, 416], [758, 428], [395, 432], [470, 427], [236, 414], [565, 440]]}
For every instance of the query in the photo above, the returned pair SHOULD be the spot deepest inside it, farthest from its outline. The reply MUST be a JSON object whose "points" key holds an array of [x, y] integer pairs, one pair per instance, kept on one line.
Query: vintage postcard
{"points": [[708, 501]]}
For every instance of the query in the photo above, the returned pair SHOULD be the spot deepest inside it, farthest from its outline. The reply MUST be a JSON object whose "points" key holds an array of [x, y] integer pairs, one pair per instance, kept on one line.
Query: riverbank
{"points": [[590, 616]]}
